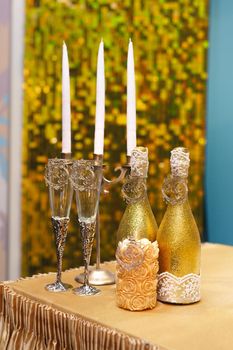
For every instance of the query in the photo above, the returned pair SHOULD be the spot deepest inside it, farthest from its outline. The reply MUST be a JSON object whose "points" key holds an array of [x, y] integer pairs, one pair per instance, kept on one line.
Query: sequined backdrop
{"points": [[170, 42]]}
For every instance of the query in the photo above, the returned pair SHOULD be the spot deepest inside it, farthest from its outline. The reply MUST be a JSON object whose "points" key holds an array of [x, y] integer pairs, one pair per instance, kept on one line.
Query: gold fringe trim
{"points": [[26, 324]]}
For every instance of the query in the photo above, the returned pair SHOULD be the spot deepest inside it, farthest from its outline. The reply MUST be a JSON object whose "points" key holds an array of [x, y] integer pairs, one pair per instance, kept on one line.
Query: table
{"points": [[32, 318]]}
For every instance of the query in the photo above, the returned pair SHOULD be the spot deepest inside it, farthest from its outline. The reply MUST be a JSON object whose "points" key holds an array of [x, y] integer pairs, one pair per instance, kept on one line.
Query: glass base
{"points": [[86, 290], [58, 287]]}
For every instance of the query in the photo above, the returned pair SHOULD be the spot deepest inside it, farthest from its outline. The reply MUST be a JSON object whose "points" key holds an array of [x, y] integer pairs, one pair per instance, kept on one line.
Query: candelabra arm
{"points": [[108, 183]]}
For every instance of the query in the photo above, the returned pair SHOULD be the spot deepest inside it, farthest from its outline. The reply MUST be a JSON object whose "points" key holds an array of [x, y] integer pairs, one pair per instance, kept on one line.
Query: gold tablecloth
{"points": [[31, 318]]}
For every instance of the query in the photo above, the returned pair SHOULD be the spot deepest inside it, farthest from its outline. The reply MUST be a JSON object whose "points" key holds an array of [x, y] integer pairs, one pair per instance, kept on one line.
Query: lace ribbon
{"points": [[180, 290], [175, 189], [139, 162]]}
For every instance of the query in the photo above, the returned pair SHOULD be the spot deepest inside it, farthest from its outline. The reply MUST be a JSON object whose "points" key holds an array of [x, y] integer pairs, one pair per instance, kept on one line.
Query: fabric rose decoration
{"points": [[137, 268]]}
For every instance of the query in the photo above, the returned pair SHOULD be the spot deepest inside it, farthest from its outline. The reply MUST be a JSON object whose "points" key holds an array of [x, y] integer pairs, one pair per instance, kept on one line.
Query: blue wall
{"points": [[219, 171]]}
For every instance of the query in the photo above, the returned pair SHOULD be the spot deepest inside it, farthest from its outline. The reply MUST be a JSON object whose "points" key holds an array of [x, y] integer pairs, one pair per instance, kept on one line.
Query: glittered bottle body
{"points": [[137, 254], [138, 220], [179, 260]]}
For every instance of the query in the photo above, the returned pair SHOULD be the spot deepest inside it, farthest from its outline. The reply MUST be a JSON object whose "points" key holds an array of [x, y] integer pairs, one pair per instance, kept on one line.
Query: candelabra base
{"points": [[98, 277]]}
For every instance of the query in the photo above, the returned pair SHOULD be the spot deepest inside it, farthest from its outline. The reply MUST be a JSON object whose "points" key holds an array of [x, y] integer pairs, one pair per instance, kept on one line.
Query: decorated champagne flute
{"points": [[57, 178], [86, 178]]}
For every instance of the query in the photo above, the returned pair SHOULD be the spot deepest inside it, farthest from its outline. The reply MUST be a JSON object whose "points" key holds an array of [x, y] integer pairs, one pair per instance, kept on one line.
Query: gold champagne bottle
{"points": [[178, 238], [137, 256]]}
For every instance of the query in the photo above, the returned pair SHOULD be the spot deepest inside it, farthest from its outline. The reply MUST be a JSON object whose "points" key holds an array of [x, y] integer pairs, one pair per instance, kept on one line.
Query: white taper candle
{"points": [[131, 101], [100, 103], [66, 119]]}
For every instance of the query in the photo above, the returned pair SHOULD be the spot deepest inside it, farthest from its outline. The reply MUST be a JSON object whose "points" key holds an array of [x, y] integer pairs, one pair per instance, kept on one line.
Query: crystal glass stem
{"points": [[87, 237], [60, 228], [97, 276], [87, 230]]}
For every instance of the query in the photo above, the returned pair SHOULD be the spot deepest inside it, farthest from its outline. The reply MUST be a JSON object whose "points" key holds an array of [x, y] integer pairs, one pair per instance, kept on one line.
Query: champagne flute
{"points": [[57, 178], [86, 178]]}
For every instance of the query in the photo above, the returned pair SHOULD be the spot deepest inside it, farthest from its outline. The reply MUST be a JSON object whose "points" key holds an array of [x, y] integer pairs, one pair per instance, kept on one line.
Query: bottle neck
{"points": [[183, 203], [175, 189], [134, 189]]}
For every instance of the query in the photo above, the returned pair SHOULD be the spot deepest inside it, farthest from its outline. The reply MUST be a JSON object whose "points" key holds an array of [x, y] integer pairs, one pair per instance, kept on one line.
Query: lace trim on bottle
{"points": [[180, 162], [139, 162], [175, 190], [179, 290]]}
